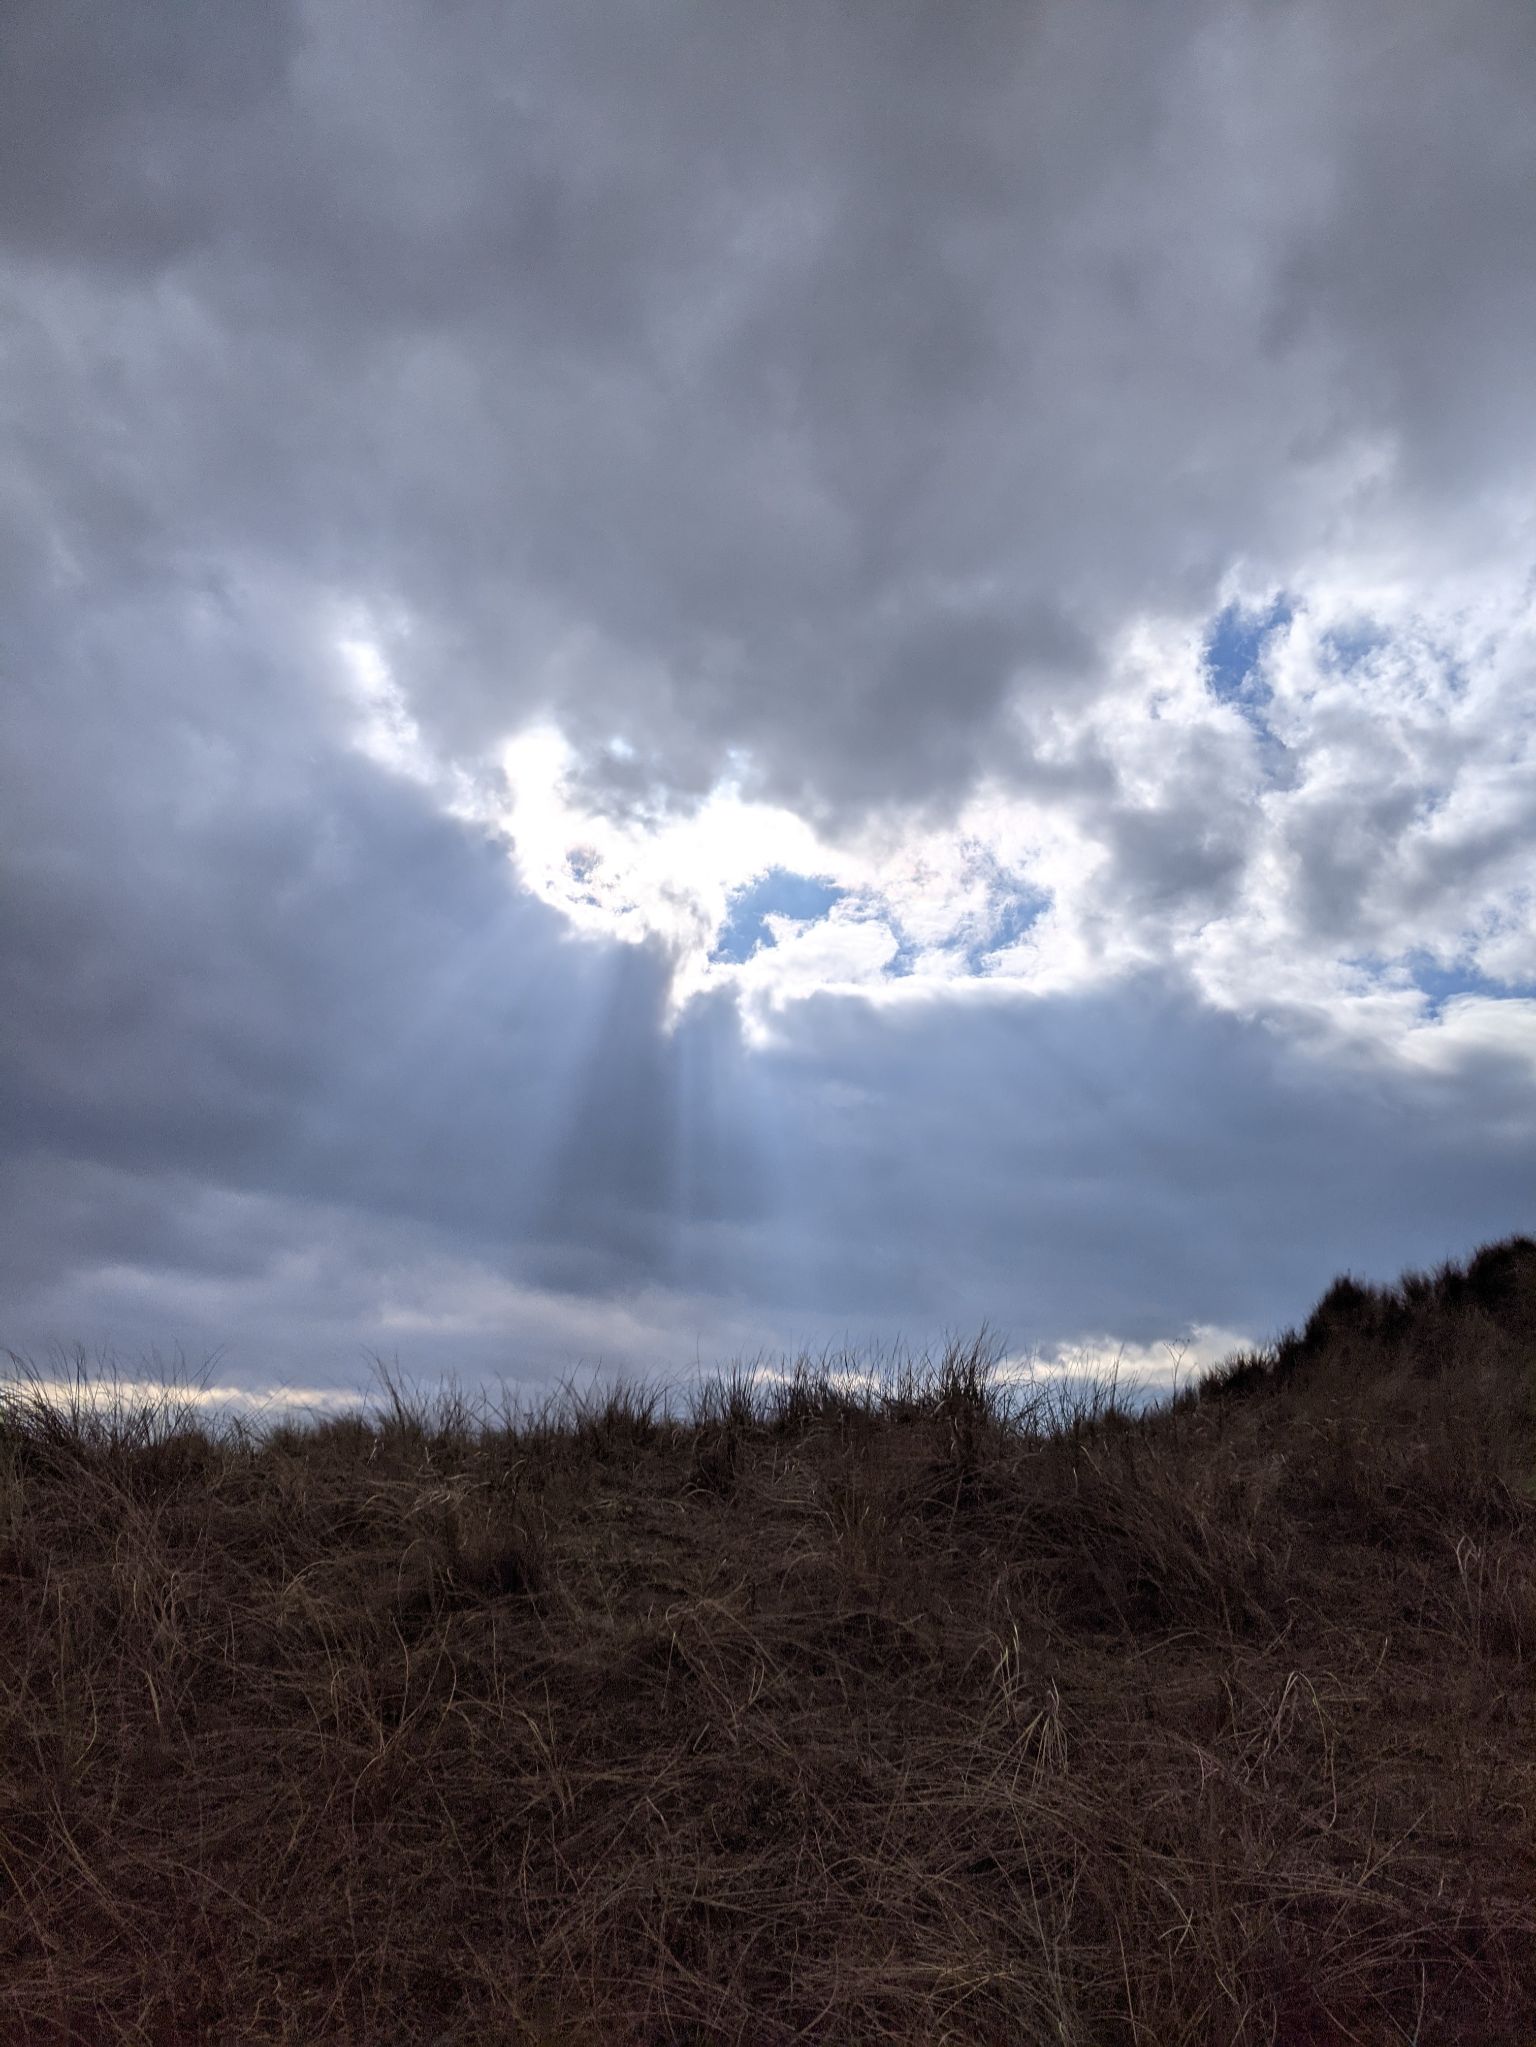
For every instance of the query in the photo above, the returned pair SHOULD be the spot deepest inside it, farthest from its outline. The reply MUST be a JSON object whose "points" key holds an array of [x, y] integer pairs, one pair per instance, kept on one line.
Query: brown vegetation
{"points": [[918, 1713]]}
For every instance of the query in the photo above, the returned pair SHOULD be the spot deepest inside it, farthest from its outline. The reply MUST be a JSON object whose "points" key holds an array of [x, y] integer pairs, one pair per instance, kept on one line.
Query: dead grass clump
{"points": [[1493, 1605], [1244, 1374], [1156, 1539]]}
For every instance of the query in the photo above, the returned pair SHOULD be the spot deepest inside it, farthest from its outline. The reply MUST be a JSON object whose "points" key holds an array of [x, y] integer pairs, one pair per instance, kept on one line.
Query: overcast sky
{"points": [[685, 679]]}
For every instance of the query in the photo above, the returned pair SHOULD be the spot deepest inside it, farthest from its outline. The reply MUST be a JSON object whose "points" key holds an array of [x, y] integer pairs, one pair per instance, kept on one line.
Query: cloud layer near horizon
{"points": [[1068, 470]]}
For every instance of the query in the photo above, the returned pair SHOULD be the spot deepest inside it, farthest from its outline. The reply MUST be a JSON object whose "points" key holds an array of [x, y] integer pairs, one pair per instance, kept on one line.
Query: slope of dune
{"points": [[818, 1710]]}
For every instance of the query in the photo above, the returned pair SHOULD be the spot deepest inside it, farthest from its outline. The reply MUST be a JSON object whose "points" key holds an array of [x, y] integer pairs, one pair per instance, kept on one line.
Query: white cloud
{"points": [[1369, 809]]}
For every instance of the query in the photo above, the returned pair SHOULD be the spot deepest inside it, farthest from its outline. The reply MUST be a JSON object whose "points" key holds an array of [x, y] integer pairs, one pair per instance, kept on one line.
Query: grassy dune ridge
{"points": [[928, 1709]]}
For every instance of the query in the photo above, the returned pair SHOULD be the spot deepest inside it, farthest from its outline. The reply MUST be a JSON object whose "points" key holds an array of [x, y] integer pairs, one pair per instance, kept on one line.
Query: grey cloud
{"points": [[1167, 856], [787, 362], [1071, 1168], [1421, 279], [115, 123], [1145, 1140]]}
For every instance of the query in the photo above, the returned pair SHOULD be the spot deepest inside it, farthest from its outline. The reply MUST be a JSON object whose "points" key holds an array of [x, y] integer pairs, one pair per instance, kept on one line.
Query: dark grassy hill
{"points": [[920, 1715]]}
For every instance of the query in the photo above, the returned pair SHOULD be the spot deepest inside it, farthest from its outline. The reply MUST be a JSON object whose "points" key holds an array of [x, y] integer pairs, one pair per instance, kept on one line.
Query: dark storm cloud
{"points": [[727, 377], [1141, 1135], [112, 119], [1097, 1166]]}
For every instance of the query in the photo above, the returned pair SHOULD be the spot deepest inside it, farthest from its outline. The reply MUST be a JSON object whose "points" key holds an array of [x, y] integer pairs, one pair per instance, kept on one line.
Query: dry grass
{"points": [[820, 1712]]}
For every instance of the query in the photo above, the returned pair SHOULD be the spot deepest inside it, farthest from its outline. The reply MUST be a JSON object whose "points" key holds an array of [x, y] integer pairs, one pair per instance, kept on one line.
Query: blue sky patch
{"points": [[1012, 918], [1016, 916], [1435, 981], [1234, 644], [902, 961], [1440, 984], [1347, 646], [778, 893]]}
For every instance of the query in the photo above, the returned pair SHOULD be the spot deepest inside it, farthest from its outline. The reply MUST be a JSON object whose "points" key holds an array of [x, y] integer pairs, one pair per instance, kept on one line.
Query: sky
{"points": [[684, 682]]}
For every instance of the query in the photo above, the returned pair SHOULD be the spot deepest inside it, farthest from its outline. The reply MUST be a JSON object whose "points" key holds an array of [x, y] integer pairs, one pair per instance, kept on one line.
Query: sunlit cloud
{"points": [[1316, 802], [387, 733], [104, 1394], [904, 904], [385, 729]]}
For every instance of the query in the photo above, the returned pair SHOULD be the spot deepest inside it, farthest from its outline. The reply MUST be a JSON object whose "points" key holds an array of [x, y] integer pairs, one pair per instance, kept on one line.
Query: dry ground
{"points": [[920, 1714]]}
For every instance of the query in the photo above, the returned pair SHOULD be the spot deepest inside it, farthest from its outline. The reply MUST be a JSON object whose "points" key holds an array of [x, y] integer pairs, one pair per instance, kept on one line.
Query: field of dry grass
{"points": [[920, 1712]]}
